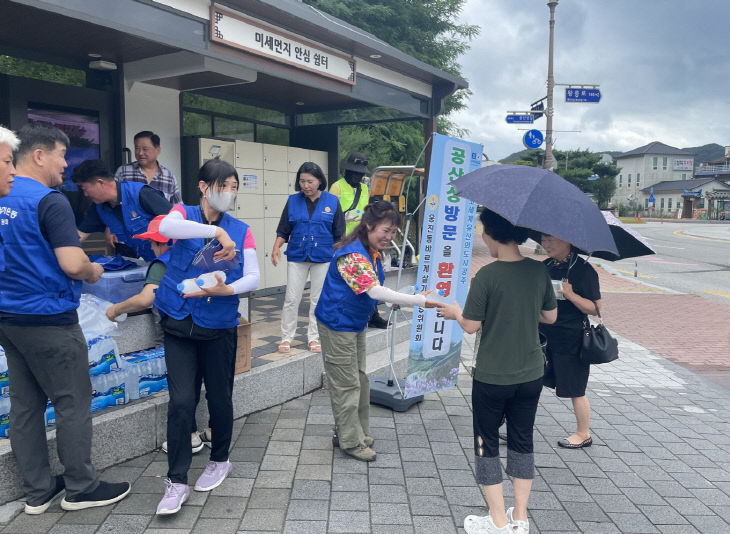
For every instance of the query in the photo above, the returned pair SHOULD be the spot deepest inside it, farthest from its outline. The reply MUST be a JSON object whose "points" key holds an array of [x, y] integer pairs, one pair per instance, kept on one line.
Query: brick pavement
{"points": [[660, 464]]}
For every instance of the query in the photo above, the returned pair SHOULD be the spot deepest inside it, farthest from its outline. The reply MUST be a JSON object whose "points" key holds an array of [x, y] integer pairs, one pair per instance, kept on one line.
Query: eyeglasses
{"points": [[358, 161]]}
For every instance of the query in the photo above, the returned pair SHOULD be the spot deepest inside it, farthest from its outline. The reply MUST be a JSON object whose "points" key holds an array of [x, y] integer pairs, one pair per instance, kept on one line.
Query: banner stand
{"points": [[389, 392]]}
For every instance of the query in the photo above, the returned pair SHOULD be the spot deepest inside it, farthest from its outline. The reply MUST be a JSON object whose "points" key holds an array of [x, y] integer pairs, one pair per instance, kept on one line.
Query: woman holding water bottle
{"points": [[200, 327], [352, 288]]}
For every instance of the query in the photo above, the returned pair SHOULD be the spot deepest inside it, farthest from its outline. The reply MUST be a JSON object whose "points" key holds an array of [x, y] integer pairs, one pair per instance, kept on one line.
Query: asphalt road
{"points": [[686, 263]]}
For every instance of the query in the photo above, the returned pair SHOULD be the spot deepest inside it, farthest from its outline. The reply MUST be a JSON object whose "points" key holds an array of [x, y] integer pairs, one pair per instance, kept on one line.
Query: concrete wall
{"points": [[643, 167], [148, 107]]}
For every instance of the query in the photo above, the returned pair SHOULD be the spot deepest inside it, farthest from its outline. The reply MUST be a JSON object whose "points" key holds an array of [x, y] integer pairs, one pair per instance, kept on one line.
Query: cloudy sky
{"points": [[663, 67]]}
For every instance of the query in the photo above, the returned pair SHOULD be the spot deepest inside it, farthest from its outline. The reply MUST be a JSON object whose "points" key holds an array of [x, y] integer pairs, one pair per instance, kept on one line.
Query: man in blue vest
{"points": [[126, 208], [39, 329]]}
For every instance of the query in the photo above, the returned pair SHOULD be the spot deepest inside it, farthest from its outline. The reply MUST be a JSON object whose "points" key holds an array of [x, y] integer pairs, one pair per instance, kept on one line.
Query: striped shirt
{"points": [[164, 180]]}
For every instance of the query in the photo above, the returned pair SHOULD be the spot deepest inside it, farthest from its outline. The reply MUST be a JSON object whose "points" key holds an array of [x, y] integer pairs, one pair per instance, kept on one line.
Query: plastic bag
{"points": [[92, 317]]}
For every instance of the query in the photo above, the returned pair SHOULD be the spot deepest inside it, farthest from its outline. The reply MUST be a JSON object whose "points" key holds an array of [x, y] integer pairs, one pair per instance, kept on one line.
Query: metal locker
{"points": [[274, 205], [210, 148], [320, 158], [296, 157], [275, 276], [249, 155], [276, 183], [275, 158]]}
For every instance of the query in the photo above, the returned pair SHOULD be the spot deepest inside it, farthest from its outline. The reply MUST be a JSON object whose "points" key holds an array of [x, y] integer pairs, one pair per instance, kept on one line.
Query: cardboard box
{"points": [[243, 350]]}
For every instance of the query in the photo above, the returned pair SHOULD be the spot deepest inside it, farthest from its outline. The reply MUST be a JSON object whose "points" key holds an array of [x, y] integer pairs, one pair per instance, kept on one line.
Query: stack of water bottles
{"points": [[4, 396]]}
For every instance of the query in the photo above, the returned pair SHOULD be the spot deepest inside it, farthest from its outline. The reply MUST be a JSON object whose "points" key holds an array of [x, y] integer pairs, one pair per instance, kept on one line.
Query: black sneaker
{"points": [[41, 505], [376, 321], [104, 494]]}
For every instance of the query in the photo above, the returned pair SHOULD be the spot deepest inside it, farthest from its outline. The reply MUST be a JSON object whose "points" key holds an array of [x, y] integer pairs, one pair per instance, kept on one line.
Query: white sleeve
{"points": [[388, 295], [251, 275], [175, 226]]}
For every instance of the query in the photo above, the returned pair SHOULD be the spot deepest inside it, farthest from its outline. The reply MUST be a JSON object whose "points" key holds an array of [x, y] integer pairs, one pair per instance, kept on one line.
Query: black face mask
{"points": [[353, 178]]}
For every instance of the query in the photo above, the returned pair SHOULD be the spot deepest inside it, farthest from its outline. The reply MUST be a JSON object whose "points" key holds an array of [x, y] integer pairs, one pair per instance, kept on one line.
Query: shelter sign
{"points": [[444, 266], [254, 36]]}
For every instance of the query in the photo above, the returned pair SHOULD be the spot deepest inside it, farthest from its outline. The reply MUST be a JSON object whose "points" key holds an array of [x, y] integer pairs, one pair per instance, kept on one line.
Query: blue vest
{"points": [[136, 219], [32, 282], [311, 238], [339, 308], [211, 312]]}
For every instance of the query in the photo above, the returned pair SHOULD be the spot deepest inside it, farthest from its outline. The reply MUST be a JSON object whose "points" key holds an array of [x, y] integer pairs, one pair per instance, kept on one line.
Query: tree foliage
{"points": [[428, 30], [577, 166]]}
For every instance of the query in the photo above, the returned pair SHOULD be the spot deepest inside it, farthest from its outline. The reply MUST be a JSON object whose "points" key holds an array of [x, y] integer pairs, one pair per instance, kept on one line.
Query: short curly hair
{"points": [[500, 229]]}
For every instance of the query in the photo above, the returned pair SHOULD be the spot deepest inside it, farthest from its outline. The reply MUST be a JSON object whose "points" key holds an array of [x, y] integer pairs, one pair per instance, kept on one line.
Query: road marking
{"points": [[717, 293], [682, 234], [667, 246], [632, 273], [670, 262]]}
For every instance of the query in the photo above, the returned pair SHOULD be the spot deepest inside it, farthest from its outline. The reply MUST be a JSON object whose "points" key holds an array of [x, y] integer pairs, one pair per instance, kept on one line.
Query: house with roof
{"points": [[687, 196], [718, 168], [646, 166]]}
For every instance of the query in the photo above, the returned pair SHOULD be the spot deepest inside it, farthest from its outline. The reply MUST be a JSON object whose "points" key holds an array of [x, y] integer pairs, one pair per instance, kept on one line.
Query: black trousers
{"points": [[191, 351], [518, 402]]}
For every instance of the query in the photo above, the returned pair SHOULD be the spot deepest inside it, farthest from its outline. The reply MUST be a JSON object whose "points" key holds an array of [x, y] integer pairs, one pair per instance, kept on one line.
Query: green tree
{"points": [[428, 30]]}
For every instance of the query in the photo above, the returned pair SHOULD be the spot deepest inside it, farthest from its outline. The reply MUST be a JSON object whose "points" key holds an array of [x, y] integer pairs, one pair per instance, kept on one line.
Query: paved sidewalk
{"points": [[660, 464]]}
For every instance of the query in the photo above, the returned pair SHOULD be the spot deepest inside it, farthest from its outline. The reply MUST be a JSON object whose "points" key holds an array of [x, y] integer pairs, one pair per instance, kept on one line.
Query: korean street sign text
{"points": [[525, 118], [573, 94]]}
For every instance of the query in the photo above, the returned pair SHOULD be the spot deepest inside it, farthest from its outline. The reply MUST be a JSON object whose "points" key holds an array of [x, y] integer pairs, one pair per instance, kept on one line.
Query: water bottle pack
{"points": [[4, 417], [108, 390], [4, 376], [103, 355], [50, 414], [192, 285], [146, 372]]}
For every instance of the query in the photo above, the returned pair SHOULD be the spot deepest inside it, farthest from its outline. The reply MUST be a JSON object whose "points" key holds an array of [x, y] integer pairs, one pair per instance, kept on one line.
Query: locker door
{"points": [[250, 198], [320, 158], [249, 155], [275, 276], [210, 148], [274, 205], [275, 158], [276, 182], [296, 156], [258, 229]]}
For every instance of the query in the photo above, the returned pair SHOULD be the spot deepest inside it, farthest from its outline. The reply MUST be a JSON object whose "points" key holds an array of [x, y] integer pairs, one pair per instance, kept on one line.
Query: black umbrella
{"points": [[629, 242], [540, 200]]}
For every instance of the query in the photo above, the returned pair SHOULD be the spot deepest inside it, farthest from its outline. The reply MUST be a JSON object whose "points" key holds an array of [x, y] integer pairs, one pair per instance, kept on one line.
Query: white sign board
{"points": [[251, 35], [683, 164]]}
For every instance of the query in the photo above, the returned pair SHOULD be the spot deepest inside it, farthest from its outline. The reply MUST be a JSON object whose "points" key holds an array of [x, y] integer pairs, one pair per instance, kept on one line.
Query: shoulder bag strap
{"points": [[356, 199]]}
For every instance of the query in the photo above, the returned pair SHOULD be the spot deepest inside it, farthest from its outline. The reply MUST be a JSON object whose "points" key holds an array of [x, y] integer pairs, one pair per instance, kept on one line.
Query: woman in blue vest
{"points": [[352, 288], [311, 222], [200, 328]]}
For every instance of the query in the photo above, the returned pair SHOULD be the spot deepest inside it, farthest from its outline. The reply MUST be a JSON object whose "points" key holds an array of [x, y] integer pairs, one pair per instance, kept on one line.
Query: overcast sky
{"points": [[663, 67]]}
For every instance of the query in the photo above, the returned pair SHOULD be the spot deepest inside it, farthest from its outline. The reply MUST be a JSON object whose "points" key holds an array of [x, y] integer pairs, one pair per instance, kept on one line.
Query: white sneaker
{"points": [[475, 524], [195, 442], [520, 527]]}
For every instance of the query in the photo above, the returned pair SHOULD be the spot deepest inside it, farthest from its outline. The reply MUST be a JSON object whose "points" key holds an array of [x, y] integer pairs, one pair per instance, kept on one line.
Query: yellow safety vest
{"points": [[347, 195]]}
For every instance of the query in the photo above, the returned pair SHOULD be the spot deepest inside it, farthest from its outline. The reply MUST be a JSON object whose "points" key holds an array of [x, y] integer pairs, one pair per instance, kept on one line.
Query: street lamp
{"points": [[549, 162]]}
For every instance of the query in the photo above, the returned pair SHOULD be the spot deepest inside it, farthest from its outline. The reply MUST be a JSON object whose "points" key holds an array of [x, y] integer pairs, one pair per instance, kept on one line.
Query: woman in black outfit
{"points": [[576, 298]]}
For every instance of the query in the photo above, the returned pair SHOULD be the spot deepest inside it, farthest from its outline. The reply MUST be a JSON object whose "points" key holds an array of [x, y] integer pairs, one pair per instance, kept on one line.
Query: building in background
{"points": [[646, 166], [686, 198]]}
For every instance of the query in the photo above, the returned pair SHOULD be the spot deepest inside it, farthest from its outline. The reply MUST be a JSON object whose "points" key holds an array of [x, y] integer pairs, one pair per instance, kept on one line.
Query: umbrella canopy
{"points": [[540, 200]]}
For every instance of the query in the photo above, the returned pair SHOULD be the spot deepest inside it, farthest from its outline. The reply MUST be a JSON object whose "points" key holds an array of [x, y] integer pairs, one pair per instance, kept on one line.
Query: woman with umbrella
{"points": [[579, 295]]}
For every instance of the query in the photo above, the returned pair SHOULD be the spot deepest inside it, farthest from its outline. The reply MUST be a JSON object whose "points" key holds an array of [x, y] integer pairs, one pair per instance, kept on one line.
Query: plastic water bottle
{"points": [[4, 375], [103, 355], [4, 417], [50, 414], [192, 285]]}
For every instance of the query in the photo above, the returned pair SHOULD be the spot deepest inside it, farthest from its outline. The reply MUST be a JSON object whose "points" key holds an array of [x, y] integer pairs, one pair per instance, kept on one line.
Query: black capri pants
{"points": [[518, 402]]}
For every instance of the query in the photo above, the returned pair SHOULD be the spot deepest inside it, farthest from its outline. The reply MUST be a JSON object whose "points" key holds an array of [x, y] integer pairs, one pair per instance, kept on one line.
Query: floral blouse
{"points": [[357, 271]]}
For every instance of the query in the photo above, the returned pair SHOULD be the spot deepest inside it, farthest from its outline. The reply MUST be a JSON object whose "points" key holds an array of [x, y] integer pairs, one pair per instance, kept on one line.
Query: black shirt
{"points": [[58, 227], [284, 229], [584, 280], [151, 201]]}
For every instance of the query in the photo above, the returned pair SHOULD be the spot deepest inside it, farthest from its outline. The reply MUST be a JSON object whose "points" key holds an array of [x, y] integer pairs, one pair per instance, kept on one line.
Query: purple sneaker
{"points": [[214, 474], [175, 495]]}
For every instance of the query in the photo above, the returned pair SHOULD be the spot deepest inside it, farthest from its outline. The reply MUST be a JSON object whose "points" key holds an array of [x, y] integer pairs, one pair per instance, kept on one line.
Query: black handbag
{"points": [[597, 346]]}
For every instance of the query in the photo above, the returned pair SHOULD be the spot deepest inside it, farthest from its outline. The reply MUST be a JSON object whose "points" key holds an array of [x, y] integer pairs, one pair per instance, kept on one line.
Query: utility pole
{"points": [[549, 162]]}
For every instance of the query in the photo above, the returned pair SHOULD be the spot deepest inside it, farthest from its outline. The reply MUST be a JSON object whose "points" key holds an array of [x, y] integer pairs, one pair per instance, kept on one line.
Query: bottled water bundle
{"points": [[146, 372]]}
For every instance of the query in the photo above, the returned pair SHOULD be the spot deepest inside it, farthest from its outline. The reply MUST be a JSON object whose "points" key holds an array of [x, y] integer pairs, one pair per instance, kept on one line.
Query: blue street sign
{"points": [[538, 108], [519, 119], [651, 195], [592, 96], [532, 139]]}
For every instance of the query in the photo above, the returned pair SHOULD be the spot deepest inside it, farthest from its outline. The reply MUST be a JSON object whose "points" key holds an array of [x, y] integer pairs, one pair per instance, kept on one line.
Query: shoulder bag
{"points": [[597, 346]]}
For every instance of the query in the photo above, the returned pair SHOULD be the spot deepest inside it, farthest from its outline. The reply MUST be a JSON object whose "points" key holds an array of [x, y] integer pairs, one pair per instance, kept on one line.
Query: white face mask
{"points": [[220, 201]]}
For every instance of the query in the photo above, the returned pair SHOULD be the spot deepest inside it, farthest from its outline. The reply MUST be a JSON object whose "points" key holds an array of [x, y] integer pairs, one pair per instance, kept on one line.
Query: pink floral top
{"points": [[357, 271]]}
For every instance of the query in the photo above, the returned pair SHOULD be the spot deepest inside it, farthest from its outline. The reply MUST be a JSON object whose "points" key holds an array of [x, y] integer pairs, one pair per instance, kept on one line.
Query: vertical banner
{"points": [[445, 259]]}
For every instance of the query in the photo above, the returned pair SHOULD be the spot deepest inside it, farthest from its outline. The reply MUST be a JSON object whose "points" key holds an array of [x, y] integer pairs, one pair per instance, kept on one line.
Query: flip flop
{"points": [[314, 346], [284, 346]]}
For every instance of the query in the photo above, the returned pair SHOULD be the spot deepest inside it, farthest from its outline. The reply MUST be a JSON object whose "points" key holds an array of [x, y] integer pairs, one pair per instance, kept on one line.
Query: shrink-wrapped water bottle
{"points": [[4, 417]]}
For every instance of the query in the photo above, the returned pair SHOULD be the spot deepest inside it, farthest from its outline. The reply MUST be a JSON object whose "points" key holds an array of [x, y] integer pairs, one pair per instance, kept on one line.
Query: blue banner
{"points": [[444, 266]]}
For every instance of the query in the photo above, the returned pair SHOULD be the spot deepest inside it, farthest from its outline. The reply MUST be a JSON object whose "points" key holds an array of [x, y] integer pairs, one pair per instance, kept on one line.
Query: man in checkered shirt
{"points": [[147, 169]]}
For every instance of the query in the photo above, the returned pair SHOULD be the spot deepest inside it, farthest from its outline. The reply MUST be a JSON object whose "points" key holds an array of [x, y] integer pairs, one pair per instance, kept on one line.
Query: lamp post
{"points": [[549, 162]]}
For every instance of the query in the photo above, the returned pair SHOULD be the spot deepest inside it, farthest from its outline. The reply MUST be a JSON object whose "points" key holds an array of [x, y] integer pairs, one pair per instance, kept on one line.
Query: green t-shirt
{"points": [[507, 298], [155, 273]]}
